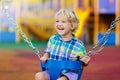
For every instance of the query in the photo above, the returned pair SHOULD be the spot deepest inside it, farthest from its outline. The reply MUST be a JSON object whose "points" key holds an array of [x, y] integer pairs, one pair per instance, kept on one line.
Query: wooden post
{"points": [[75, 4], [96, 20], [118, 25]]}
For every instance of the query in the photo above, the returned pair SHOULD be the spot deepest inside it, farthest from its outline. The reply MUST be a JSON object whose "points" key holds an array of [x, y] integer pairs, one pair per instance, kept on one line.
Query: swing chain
{"points": [[102, 41], [16, 26]]}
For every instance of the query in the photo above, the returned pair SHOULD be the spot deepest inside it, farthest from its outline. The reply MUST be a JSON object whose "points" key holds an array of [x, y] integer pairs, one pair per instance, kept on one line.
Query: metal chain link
{"points": [[102, 41], [16, 26]]}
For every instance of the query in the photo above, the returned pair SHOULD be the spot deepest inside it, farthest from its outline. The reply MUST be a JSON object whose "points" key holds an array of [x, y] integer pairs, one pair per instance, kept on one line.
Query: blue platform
{"points": [[7, 37], [111, 38]]}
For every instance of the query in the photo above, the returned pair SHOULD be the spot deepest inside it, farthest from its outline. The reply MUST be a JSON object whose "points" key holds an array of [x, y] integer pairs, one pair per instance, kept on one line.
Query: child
{"points": [[64, 45]]}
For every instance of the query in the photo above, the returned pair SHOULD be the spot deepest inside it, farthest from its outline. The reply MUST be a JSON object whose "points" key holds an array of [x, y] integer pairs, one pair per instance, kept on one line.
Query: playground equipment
{"points": [[7, 36], [55, 67], [83, 10], [40, 24], [38, 32], [36, 17], [111, 7]]}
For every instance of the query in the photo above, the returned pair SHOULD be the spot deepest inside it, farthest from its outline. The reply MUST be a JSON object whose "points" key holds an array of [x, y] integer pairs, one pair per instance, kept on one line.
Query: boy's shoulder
{"points": [[54, 36], [80, 42]]}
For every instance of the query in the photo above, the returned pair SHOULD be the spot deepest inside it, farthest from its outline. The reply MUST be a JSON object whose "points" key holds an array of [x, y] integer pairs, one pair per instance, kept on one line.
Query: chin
{"points": [[60, 34]]}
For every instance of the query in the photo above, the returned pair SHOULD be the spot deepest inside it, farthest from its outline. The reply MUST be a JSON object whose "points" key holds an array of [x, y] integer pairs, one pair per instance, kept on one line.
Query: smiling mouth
{"points": [[60, 28]]}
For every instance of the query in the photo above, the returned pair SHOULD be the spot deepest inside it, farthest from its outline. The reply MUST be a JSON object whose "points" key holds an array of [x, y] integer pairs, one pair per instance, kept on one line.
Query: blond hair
{"points": [[71, 16]]}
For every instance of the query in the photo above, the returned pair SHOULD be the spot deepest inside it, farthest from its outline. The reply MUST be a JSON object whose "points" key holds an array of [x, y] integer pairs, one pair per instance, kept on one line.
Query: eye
{"points": [[63, 21], [56, 21]]}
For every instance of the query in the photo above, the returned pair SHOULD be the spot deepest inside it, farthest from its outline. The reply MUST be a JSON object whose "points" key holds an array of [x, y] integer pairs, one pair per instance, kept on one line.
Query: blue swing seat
{"points": [[54, 67]]}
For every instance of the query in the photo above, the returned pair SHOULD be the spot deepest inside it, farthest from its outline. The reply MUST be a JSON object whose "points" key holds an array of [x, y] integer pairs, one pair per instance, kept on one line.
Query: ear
{"points": [[72, 27]]}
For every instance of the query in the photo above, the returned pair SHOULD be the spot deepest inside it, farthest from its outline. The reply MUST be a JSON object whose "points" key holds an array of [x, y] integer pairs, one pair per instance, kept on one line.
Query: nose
{"points": [[59, 25]]}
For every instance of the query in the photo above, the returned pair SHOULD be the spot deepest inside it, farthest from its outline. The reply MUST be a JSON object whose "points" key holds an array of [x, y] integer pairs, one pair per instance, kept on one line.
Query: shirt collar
{"points": [[73, 37]]}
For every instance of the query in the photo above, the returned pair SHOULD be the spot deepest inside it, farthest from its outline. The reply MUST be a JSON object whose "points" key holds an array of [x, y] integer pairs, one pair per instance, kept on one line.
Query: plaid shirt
{"points": [[65, 50]]}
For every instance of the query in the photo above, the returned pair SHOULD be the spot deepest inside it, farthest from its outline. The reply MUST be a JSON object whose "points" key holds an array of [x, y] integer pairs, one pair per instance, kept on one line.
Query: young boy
{"points": [[64, 45]]}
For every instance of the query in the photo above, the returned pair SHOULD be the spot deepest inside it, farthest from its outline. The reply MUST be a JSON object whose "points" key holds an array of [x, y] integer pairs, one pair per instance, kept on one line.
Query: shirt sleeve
{"points": [[48, 48], [49, 45], [81, 51]]}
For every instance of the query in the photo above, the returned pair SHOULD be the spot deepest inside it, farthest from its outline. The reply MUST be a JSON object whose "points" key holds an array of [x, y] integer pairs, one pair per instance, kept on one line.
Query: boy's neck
{"points": [[67, 38]]}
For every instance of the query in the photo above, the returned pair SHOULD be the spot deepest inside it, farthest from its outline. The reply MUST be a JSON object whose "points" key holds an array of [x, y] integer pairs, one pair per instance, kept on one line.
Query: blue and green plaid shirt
{"points": [[65, 50]]}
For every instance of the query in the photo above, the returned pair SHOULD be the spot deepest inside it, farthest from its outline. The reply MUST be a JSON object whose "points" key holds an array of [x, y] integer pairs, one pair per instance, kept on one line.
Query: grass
{"points": [[21, 45]]}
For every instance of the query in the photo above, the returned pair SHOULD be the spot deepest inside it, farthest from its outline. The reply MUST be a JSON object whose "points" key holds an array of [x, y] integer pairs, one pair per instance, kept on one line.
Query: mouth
{"points": [[60, 28]]}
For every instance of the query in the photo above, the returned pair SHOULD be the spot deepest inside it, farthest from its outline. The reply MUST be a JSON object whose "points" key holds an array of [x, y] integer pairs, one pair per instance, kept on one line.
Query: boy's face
{"points": [[63, 26]]}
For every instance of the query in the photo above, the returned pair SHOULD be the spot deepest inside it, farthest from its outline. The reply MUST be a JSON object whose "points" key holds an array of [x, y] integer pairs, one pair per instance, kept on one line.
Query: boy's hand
{"points": [[85, 60], [45, 57]]}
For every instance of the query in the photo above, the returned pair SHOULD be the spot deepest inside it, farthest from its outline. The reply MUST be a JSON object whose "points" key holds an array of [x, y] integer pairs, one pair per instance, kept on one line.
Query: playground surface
{"points": [[22, 64]]}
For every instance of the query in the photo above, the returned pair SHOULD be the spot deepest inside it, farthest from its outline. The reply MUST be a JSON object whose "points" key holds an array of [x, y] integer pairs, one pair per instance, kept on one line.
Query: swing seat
{"points": [[54, 67]]}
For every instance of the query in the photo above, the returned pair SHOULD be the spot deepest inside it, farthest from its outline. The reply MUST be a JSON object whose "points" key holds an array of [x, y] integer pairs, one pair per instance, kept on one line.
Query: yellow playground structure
{"points": [[35, 17]]}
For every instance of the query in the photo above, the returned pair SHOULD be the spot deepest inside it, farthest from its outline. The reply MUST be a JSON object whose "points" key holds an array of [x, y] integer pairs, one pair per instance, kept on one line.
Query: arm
{"points": [[47, 50], [45, 57]]}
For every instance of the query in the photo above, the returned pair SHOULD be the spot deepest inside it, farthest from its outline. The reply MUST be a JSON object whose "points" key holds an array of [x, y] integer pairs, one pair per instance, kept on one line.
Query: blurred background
{"points": [[36, 19]]}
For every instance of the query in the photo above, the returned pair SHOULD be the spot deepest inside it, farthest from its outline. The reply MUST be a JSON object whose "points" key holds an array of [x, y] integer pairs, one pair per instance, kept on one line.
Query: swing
{"points": [[55, 67]]}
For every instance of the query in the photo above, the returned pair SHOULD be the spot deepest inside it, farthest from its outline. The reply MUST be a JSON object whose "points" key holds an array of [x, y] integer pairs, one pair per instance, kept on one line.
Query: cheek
{"points": [[69, 26], [55, 25], [72, 27]]}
